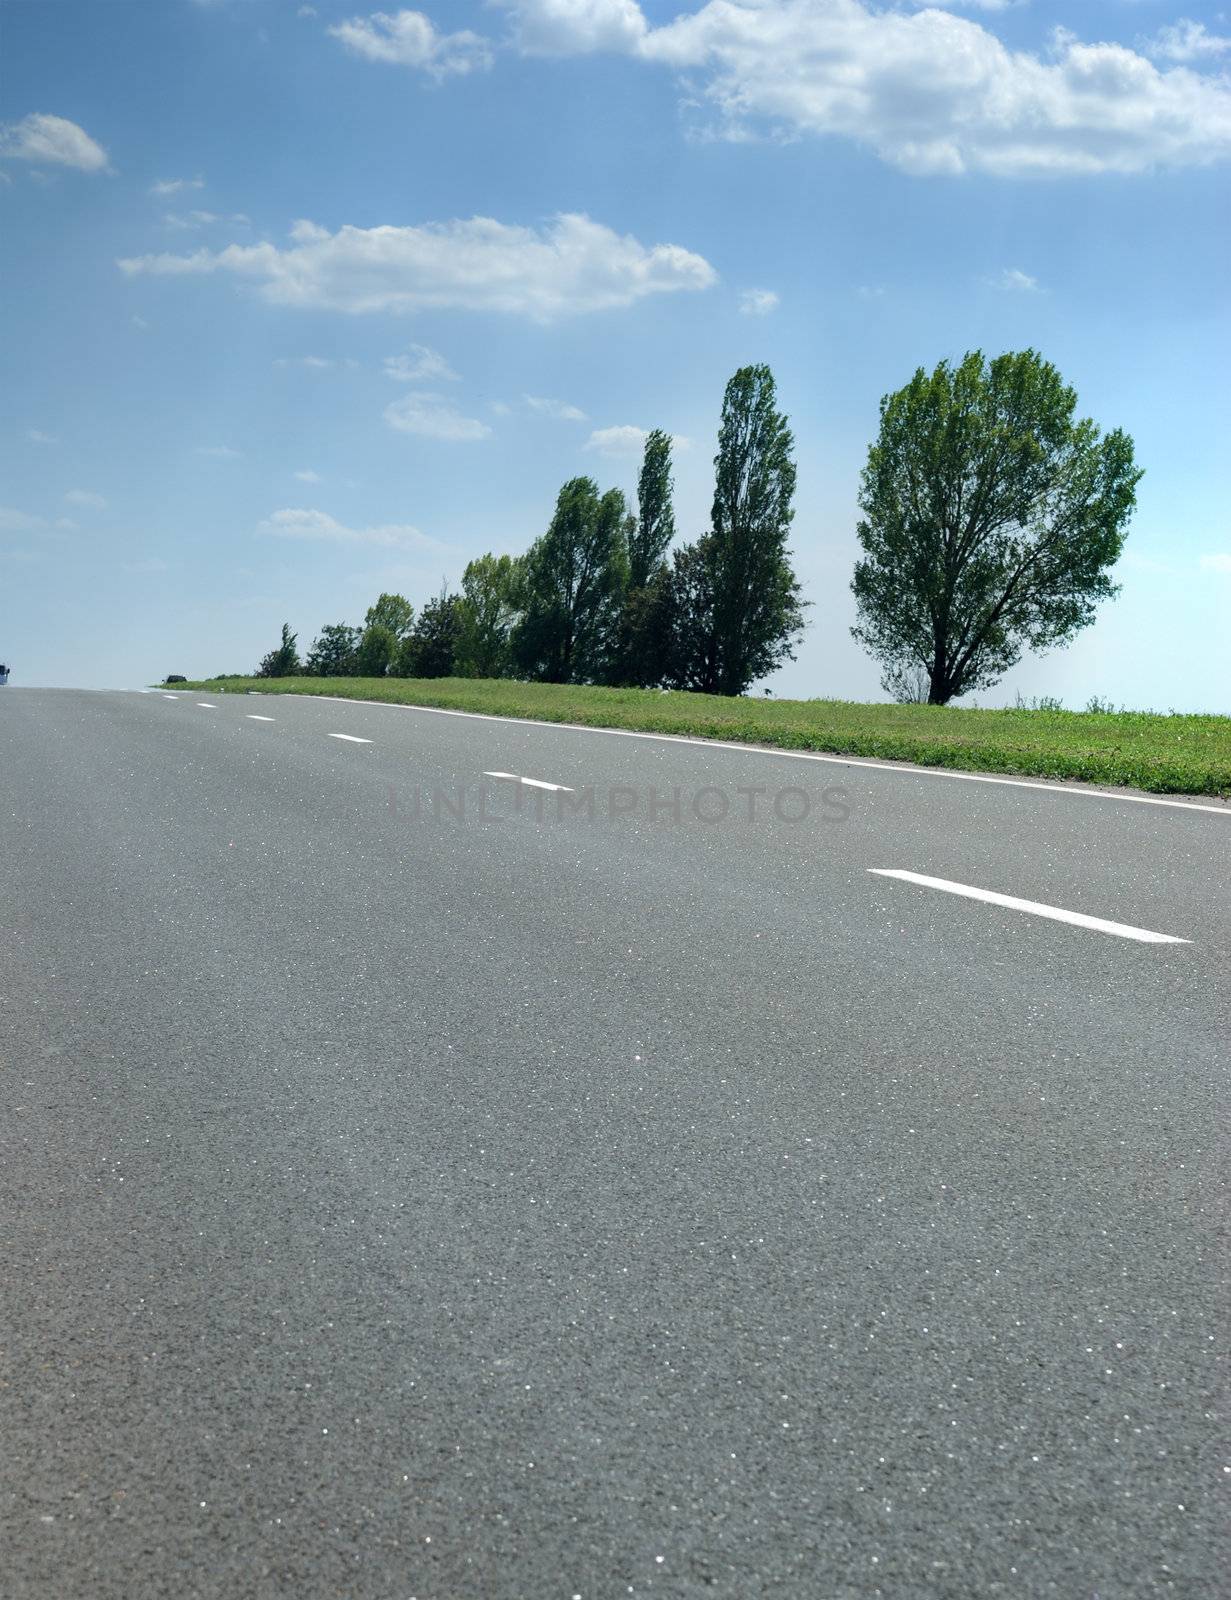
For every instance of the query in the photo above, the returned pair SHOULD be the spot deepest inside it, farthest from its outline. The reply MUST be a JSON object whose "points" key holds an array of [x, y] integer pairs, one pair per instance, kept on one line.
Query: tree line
{"points": [[991, 517]]}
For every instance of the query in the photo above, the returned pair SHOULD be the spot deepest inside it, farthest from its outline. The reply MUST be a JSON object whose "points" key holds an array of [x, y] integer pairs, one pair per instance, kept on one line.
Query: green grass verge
{"points": [[1167, 754]]}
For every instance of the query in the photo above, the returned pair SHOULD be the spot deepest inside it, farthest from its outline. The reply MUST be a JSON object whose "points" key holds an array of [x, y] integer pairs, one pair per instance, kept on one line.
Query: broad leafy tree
{"points": [[428, 650], [392, 611], [490, 604], [992, 516], [575, 578], [284, 661], [376, 651], [334, 651]]}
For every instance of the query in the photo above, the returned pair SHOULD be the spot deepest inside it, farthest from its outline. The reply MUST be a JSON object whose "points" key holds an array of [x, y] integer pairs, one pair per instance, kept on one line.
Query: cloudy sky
{"points": [[303, 302]]}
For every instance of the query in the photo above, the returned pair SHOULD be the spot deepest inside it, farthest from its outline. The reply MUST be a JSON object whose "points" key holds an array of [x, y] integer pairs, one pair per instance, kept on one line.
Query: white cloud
{"points": [[576, 27], [86, 499], [194, 220], [53, 140], [419, 364], [312, 363], [758, 302], [432, 416], [625, 442], [308, 476], [409, 39], [927, 91], [319, 525], [1219, 562], [559, 409], [37, 436], [1014, 280], [14, 521], [166, 187], [139, 322], [967, 5], [568, 266], [219, 452], [620, 443], [1185, 40]]}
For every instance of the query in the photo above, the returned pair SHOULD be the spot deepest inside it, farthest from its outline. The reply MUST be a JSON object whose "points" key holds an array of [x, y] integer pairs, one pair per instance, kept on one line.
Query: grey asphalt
{"points": [[415, 1206]]}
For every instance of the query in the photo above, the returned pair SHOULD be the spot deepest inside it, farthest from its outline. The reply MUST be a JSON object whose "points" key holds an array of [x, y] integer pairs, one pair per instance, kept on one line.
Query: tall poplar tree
{"points": [[748, 599]]}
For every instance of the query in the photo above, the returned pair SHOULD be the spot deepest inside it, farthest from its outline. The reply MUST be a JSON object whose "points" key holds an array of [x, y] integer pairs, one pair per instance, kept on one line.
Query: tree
{"points": [[645, 626], [991, 518], [428, 650], [334, 651], [490, 603], [692, 647], [392, 611], [284, 661], [575, 577], [376, 650], [655, 525], [646, 630], [749, 600]]}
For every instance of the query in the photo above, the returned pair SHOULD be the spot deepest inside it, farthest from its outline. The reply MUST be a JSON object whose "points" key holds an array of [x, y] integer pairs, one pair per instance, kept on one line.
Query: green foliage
{"points": [[644, 650], [284, 661], [335, 651], [655, 525], [758, 613], [642, 641], [491, 601], [991, 519], [376, 649], [575, 577], [692, 645], [392, 611], [428, 650]]}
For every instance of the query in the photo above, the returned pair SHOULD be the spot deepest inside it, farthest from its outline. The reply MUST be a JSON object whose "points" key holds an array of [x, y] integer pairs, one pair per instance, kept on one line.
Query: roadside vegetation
{"points": [[992, 517], [1162, 753]]}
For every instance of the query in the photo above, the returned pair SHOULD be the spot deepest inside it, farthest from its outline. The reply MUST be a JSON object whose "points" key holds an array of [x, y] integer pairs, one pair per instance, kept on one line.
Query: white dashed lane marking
{"points": [[351, 738], [532, 783], [207, 705], [1122, 930], [254, 716]]}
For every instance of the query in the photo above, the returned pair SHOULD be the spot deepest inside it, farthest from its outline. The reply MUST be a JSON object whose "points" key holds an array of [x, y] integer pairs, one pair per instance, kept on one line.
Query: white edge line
{"points": [[351, 738], [1084, 792], [1122, 930]]}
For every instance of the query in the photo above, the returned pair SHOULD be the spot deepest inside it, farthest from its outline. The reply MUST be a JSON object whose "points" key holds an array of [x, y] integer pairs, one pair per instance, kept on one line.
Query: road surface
{"points": [[420, 1184]]}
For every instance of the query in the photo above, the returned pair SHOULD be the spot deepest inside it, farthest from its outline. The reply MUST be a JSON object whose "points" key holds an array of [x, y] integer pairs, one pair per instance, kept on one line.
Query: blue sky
{"points": [[303, 302]]}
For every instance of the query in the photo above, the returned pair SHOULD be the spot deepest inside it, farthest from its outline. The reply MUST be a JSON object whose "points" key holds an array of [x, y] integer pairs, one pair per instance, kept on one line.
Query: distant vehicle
{"points": [[4, 674], [175, 677]]}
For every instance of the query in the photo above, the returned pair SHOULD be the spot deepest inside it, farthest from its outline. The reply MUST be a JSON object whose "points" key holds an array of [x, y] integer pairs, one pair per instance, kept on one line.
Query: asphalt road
{"points": [[405, 1205]]}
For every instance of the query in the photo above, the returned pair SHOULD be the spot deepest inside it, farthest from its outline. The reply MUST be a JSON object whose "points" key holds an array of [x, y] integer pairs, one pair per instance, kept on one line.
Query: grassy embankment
{"points": [[1168, 754]]}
